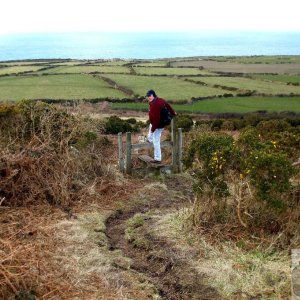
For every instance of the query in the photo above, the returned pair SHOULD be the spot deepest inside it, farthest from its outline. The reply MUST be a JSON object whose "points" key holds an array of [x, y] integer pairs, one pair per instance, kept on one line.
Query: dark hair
{"points": [[150, 92]]}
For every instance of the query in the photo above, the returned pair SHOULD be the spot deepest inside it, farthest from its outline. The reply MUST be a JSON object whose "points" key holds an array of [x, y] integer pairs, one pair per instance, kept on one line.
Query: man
{"points": [[156, 127]]}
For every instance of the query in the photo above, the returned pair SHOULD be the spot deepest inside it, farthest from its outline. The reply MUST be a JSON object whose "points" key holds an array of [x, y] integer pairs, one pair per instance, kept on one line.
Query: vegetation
{"points": [[258, 86], [227, 105], [171, 88], [74, 227], [87, 69], [114, 125], [289, 79], [246, 181], [192, 82], [169, 71], [40, 147], [55, 87]]}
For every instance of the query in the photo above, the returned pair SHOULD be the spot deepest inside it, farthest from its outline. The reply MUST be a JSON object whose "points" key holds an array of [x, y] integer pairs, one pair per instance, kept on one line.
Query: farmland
{"points": [[54, 87], [232, 104], [87, 69], [197, 84], [241, 83]]}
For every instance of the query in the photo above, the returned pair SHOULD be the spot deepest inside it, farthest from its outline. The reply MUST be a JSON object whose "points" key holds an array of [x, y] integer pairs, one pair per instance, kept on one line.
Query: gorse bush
{"points": [[245, 180], [48, 155], [185, 122], [270, 174], [114, 125]]}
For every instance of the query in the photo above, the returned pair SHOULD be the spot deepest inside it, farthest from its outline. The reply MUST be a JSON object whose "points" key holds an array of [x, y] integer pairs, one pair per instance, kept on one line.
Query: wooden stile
{"points": [[176, 143]]}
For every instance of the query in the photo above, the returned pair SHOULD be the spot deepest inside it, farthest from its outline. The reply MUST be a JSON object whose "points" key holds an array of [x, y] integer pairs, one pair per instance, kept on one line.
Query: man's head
{"points": [[150, 95]]}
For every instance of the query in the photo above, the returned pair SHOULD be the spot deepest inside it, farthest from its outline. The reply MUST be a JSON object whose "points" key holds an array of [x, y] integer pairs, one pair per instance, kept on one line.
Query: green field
{"points": [[228, 105], [281, 78], [260, 59], [152, 64], [69, 79], [243, 68], [87, 69], [170, 88], [19, 69], [170, 71], [55, 87], [242, 83]]}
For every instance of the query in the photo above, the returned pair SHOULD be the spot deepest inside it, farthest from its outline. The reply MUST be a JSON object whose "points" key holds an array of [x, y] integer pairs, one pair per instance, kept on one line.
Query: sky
{"points": [[22, 16]]}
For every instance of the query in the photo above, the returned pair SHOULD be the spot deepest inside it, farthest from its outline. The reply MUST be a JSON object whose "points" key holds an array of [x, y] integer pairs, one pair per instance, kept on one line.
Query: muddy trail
{"points": [[165, 266]]}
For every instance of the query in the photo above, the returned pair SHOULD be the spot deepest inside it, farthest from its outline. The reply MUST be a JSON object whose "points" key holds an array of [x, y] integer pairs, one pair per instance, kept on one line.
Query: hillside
{"points": [[74, 227]]}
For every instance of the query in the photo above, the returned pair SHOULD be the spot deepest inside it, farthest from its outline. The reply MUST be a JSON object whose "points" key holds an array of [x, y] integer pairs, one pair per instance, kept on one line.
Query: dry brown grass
{"points": [[64, 254], [49, 168], [50, 156]]}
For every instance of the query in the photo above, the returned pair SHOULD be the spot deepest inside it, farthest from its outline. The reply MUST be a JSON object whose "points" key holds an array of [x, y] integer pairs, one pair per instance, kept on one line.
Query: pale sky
{"points": [[19, 16]]}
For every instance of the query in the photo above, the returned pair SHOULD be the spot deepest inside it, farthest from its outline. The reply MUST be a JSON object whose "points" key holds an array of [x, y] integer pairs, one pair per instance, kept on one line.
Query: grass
{"points": [[236, 67], [152, 64], [281, 78], [55, 87], [250, 84], [87, 69], [76, 85], [231, 270], [168, 88], [260, 59], [111, 63], [228, 105], [19, 69], [170, 71]]}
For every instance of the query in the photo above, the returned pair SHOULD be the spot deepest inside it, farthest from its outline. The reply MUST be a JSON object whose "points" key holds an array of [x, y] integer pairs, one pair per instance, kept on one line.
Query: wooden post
{"points": [[175, 146], [180, 146], [120, 153], [128, 153]]}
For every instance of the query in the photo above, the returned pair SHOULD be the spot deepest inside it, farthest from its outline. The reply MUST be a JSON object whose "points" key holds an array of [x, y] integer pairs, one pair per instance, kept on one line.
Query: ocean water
{"points": [[97, 45]]}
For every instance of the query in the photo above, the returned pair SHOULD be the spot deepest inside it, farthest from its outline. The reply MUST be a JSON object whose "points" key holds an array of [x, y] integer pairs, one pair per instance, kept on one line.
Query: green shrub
{"points": [[114, 125], [268, 129], [131, 121], [270, 174], [216, 124], [185, 122], [253, 172]]}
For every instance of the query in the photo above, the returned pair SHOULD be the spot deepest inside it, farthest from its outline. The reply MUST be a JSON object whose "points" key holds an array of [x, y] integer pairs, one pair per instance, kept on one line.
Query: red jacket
{"points": [[154, 112]]}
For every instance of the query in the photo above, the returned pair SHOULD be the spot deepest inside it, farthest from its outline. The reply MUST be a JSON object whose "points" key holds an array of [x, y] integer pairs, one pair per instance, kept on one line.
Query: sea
{"points": [[146, 45]]}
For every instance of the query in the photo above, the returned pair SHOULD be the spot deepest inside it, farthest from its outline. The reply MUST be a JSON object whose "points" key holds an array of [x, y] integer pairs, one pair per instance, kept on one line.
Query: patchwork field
{"points": [[257, 85], [19, 69], [87, 69], [260, 59], [169, 88], [228, 105], [234, 67], [171, 71], [185, 81], [281, 78]]}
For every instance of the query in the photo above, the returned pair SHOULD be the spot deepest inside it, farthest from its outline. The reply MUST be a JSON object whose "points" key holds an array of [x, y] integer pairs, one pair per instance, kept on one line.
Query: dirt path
{"points": [[164, 265]]}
